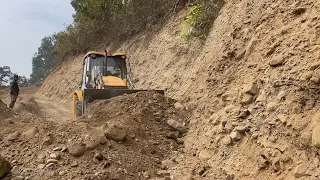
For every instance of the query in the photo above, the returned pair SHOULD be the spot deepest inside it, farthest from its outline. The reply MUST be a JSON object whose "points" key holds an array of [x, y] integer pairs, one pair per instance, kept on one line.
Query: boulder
{"points": [[77, 150], [177, 126], [116, 134]]}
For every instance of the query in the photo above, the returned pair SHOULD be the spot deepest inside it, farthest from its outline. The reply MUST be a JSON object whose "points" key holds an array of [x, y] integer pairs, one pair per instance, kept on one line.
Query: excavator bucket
{"points": [[95, 94]]}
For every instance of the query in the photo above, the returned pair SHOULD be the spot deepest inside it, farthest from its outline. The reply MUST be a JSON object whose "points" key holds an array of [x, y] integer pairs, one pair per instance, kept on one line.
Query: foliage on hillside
{"points": [[100, 22], [200, 17]]}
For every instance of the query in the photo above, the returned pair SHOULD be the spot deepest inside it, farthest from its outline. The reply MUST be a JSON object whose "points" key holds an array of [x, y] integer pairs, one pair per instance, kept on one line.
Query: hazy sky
{"points": [[23, 23]]}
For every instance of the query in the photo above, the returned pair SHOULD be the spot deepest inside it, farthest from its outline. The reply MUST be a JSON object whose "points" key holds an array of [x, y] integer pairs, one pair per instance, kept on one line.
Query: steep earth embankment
{"points": [[252, 89]]}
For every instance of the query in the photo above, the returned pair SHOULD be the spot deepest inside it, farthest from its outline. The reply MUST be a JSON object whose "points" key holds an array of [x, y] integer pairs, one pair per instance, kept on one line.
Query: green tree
{"points": [[44, 60], [5, 74]]}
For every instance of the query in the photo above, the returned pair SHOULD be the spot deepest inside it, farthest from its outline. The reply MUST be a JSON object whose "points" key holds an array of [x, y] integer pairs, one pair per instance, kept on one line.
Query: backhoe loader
{"points": [[104, 76]]}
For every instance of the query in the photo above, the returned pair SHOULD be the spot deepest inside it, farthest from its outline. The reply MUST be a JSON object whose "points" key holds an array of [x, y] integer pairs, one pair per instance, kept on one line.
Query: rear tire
{"points": [[79, 109]]}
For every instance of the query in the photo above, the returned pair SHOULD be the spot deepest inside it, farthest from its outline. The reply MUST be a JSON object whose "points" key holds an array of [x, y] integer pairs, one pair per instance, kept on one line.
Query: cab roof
{"points": [[103, 54]]}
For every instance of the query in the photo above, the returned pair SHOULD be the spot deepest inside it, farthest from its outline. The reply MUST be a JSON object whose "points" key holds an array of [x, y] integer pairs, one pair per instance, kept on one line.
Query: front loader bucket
{"points": [[94, 94]]}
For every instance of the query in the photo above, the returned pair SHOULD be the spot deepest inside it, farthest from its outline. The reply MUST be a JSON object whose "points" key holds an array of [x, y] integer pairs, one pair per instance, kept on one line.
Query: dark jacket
{"points": [[14, 87]]}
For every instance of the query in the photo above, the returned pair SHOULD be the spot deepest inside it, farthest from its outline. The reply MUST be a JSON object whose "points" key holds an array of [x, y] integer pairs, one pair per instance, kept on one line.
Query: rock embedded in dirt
{"points": [[77, 150], [173, 135], [166, 164], [41, 166], [246, 99], [277, 61], [91, 145], [178, 106], [205, 155], [300, 171], [316, 136], [57, 149], [227, 140], [116, 134], [31, 133], [5, 167], [177, 126], [98, 156], [47, 140], [315, 80], [180, 141], [242, 129], [54, 161], [13, 136], [251, 88], [55, 156], [236, 136]]}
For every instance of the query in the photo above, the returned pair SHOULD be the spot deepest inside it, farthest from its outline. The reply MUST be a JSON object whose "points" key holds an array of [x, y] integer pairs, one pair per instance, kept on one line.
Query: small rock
{"points": [[177, 126], [74, 164], [272, 106], [306, 76], [227, 140], [315, 66], [12, 137], [277, 61], [116, 134], [41, 166], [300, 171], [167, 178], [205, 155], [244, 113], [315, 80], [180, 141], [255, 135], [285, 158], [236, 136], [98, 156], [55, 156], [282, 118], [281, 95], [51, 166], [47, 140], [262, 97], [178, 106], [242, 129], [31, 133], [173, 135], [262, 162], [54, 161], [64, 149], [62, 173], [77, 150], [251, 89], [163, 173], [5, 167], [57, 149], [91, 145], [316, 136], [166, 164], [103, 140], [246, 99]]}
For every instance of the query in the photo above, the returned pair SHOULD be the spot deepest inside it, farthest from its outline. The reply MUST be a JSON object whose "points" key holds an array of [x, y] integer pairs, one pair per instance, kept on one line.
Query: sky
{"points": [[23, 23]]}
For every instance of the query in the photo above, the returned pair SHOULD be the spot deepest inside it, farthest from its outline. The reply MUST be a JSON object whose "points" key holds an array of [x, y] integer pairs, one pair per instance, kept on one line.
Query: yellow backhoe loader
{"points": [[104, 76]]}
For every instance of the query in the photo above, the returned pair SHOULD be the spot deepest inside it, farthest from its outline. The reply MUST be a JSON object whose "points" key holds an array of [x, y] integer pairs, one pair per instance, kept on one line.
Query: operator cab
{"points": [[112, 70]]}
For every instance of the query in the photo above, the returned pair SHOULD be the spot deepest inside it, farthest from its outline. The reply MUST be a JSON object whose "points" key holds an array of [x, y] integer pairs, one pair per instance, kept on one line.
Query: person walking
{"points": [[14, 90]]}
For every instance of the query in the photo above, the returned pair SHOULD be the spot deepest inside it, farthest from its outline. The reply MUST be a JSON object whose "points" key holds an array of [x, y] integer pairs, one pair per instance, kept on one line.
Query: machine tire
{"points": [[79, 108]]}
